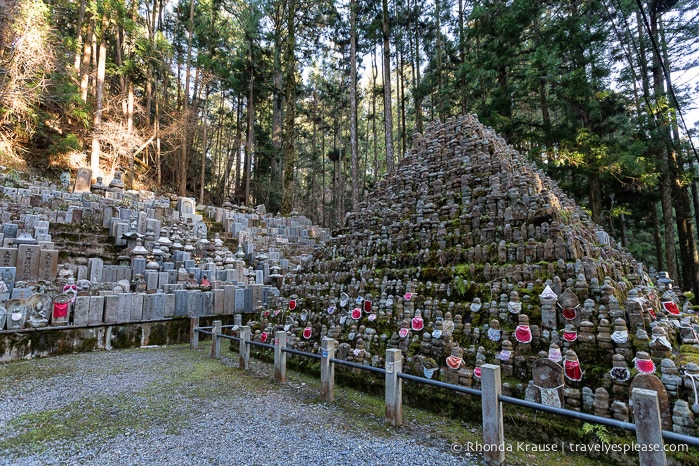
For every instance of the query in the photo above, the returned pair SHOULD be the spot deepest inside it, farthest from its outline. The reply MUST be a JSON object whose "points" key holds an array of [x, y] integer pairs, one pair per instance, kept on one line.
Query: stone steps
{"points": [[74, 243]]}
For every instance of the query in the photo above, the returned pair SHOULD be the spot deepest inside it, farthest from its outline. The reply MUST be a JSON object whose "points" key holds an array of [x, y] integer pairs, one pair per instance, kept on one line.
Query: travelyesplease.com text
{"points": [[563, 447]]}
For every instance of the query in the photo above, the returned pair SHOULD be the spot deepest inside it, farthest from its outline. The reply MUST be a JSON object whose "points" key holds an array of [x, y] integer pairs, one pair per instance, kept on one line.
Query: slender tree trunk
{"points": [[276, 188], [149, 73], [667, 179], [668, 223], [418, 93], [438, 50], [204, 146], [79, 37], [290, 114], [399, 149], [658, 237], [366, 169], [87, 54], [233, 161], [545, 116], [324, 217], [239, 132], [314, 151], [689, 255], [462, 56], [219, 150], [403, 128], [118, 53], [156, 129], [341, 178], [130, 97], [99, 96], [94, 57], [337, 168], [184, 154], [695, 198], [374, 133], [129, 130], [250, 143], [622, 231], [354, 149], [596, 199], [388, 112]]}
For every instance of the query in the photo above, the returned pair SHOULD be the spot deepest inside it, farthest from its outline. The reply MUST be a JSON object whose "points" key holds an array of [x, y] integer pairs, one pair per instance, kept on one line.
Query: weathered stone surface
{"points": [[8, 257], [549, 379], [651, 382], [28, 256], [111, 309], [16, 314], [83, 180], [81, 311], [48, 265], [96, 312]]}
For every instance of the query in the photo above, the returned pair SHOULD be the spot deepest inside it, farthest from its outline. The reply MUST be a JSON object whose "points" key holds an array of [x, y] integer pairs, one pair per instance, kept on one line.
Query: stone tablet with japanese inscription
{"points": [[48, 265], [28, 257], [8, 257]]}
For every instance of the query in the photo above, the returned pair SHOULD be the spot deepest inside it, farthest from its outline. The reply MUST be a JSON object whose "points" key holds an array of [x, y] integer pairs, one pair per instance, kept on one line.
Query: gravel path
{"points": [[174, 406]]}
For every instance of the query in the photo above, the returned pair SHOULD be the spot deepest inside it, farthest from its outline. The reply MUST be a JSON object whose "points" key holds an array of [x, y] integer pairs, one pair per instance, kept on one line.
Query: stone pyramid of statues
{"points": [[468, 254]]}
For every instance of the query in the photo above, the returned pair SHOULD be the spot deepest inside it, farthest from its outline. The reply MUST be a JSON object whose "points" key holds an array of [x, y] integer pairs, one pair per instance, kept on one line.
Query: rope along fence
{"points": [[649, 434]]}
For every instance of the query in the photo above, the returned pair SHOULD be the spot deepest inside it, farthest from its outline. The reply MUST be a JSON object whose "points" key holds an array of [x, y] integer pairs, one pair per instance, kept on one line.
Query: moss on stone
{"points": [[87, 345], [158, 335]]}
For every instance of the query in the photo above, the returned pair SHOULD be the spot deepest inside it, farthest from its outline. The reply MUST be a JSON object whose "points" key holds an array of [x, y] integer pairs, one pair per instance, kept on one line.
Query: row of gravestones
{"points": [[270, 229], [78, 308], [122, 213]]}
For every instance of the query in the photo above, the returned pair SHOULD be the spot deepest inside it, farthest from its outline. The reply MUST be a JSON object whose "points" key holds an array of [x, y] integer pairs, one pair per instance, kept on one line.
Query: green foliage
{"points": [[596, 431], [64, 144], [461, 286]]}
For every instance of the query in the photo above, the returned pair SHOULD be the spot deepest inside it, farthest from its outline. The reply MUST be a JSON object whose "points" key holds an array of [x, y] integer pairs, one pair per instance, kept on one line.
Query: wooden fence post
{"points": [[193, 334], [646, 412], [280, 357], [493, 431], [215, 340], [244, 350], [327, 369], [394, 387]]}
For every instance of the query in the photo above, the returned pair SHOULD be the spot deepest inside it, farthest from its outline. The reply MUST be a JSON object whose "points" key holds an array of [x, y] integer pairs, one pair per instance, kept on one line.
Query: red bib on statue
{"points": [[523, 334], [573, 371], [417, 323], [60, 310], [671, 308], [454, 362], [645, 366]]}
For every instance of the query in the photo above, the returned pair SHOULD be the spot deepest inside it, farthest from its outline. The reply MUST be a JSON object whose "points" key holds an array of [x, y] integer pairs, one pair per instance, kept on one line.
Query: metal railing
{"points": [[648, 428]]}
